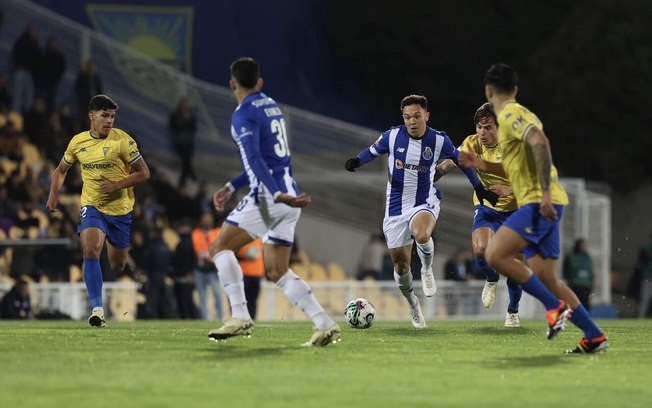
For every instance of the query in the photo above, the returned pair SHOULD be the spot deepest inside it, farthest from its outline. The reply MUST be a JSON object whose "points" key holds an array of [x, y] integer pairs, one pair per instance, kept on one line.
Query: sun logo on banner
{"points": [[163, 33]]}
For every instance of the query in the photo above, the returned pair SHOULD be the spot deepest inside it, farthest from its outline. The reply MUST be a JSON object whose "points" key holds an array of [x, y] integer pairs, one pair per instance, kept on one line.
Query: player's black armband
{"points": [[485, 194], [352, 164]]}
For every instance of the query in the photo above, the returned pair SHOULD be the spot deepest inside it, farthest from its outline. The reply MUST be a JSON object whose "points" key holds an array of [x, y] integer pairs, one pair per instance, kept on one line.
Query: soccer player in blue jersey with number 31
{"points": [[270, 210]]}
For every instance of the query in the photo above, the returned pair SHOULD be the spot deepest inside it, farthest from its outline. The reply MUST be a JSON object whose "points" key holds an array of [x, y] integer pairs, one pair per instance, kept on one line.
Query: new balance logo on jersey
{"points": [[82, 150], [400, 149]]}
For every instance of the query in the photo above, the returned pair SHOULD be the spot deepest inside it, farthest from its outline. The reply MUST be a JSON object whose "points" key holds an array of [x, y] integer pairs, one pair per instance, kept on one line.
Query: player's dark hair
{"points": [[502, 77], [245, 71], [485, 111], [415, 100], [101, 102]]}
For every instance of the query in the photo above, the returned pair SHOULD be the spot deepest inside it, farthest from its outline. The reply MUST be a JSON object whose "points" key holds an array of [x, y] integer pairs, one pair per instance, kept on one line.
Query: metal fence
{"points": [[454, 300]]}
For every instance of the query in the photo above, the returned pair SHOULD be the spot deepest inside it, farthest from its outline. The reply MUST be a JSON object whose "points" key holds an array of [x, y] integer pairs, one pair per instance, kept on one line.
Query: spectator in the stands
{"points": [[16, 303], [87, 84], [5, 95], [25, 57], [182, 126], [49, 73], [36, 123]]}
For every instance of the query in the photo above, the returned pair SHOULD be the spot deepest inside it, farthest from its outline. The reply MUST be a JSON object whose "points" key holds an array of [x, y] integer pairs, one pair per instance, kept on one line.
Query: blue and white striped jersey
{"points": [[412, 165], [258, 129]]}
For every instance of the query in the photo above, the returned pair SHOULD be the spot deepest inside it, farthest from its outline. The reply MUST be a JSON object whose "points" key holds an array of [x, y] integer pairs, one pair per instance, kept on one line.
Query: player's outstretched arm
{"points": [[352, 164], [485, 194], [471, 160], [58, 177], [443, 168], [300, 201], [361, 159], [501, 189]]}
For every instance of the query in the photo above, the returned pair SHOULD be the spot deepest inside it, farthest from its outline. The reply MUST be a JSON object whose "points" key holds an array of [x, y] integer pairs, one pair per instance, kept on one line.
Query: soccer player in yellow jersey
{"points": [[488, 218], [534, 227], [110, 166]]}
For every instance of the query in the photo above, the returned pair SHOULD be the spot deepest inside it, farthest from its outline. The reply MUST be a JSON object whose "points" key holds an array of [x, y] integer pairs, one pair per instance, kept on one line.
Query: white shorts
{"points": [[397, 228], [274, 222]]}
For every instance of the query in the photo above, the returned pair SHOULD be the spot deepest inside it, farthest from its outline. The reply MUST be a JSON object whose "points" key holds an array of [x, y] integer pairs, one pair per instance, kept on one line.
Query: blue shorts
{"points": [[486, 217], [541, 234], [116, 227]]}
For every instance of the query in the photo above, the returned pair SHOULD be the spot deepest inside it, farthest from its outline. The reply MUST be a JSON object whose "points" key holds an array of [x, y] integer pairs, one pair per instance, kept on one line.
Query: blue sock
{"points": [[580, 318], [515, 291], [488, 271], [93, 280], [536, 288]]}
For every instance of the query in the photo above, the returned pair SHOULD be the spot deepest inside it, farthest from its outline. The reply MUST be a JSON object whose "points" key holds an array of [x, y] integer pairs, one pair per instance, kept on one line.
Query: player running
{"points": [[412, 206], [488, 218], [270, 210], [534, 227], [110, 166]]}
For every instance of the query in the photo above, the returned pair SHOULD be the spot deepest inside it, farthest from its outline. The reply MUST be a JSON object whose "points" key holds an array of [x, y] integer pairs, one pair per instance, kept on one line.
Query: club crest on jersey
{"points": [[105, 149], [399, 164], [427, 153]]}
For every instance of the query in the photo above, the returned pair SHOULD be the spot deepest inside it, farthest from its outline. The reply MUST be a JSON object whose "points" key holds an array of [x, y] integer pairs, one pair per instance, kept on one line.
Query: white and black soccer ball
{"points": [[360, 313]]}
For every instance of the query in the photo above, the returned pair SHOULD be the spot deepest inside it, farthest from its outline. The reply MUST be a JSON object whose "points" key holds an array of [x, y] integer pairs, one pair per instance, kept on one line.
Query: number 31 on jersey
{"points": [[281, 147]]}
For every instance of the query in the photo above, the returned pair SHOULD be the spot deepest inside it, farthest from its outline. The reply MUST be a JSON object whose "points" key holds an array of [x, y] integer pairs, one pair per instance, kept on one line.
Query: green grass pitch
{"points": [[449, 364]]}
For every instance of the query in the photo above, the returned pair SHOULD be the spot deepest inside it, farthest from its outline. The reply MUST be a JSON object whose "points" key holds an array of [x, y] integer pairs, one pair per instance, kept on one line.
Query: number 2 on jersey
{"points": [[278, 128]]}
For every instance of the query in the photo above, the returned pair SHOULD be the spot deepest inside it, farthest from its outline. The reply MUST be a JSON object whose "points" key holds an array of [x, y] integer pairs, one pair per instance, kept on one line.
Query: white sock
{"points": [[426, 253], [299, 293], [232, 280], [405, 285]]}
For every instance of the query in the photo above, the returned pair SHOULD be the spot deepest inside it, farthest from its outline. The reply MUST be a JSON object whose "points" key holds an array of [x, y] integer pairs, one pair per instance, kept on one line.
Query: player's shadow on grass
{"points": [[408, 331], [231, 352], [526, 361], [499, 331]]}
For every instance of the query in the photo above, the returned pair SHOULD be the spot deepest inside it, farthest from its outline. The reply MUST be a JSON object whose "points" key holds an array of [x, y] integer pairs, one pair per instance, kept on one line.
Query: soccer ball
{"points": [[360, 313]]}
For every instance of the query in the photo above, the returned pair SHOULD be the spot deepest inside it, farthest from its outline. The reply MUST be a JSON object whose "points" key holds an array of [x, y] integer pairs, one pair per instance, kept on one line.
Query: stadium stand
{"points": [[147, 91]]}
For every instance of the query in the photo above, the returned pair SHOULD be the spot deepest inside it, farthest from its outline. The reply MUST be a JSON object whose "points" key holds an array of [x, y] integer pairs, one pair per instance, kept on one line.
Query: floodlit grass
{"points": [[452, 363]]}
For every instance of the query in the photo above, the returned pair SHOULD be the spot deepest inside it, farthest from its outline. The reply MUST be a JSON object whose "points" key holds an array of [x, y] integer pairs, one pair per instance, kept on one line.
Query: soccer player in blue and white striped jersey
{"points": [[412, 208], [271, 210]]}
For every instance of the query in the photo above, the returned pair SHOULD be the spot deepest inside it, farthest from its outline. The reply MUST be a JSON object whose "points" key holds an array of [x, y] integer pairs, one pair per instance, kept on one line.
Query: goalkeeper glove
{"points": [[352, 164], [485, 194]]}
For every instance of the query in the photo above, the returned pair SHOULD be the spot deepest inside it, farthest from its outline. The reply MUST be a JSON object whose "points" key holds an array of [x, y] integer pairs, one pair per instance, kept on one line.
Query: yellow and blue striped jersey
{"points": [[514, 122], [110, 157], [472, 144]]}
